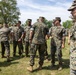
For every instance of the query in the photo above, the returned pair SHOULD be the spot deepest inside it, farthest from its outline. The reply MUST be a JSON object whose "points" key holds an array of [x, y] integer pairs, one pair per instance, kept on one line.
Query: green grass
{"points": [[18, 65]]}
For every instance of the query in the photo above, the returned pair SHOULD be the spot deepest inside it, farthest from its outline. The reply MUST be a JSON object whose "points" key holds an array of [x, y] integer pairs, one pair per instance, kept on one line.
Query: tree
{"points": [[48, 23], [9, 12], [67, 24]]}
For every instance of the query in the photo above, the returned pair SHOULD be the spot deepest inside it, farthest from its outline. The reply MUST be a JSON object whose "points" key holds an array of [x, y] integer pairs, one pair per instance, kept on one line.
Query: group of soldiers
{"points": [[16, 33], [35, 37]]}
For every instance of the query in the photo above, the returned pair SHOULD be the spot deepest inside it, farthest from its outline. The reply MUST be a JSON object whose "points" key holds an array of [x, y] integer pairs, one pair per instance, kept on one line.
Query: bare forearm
{"points": [[31, 35]]}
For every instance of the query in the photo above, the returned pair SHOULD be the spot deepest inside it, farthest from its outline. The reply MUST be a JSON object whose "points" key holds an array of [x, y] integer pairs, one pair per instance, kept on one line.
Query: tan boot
{"points": [[30, 68], [60, 68]]}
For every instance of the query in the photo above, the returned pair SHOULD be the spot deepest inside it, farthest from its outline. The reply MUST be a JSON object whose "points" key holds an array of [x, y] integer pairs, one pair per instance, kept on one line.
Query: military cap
{"points": [[73, 6], [54, 20], [29, 20], [57, 18], [74, 1], [42, 17]]}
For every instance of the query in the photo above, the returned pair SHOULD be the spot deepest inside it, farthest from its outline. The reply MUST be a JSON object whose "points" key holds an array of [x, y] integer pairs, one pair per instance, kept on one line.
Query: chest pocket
{"points": [[59, 31]]}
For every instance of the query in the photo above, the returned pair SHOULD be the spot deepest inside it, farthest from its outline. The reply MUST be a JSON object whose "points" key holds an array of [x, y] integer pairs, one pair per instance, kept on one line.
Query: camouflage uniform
{"points": [[57, 33], [4, 38], [73, 50], [17, 33], [72, 36], [27, 44], [38, 42], [46, 53]]}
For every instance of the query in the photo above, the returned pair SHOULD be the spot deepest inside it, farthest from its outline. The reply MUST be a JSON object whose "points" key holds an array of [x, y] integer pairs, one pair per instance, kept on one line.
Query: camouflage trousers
{"points": [[27, 46], [73, 61], [5, 46], [41, 50], [20, 47], [55, 49], [72, 72]]}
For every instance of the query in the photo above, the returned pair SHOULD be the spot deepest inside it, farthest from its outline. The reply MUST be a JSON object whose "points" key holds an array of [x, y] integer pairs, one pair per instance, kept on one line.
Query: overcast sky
{"points": [[48, 8]]}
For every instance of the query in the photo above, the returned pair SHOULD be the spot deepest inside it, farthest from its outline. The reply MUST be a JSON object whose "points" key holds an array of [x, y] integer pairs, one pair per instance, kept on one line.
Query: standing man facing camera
{"points": [[27, 33], [57, 41]]}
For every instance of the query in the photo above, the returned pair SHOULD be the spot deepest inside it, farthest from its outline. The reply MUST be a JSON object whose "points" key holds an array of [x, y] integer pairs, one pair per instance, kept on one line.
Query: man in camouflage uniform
{"points": [[72, 40], [4, 38], [17, 33], [57, 41], [37, 36], [27, 32]]}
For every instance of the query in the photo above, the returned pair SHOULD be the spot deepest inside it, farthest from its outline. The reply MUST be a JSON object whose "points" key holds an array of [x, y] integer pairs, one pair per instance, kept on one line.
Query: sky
{"points": [[32, 9]]}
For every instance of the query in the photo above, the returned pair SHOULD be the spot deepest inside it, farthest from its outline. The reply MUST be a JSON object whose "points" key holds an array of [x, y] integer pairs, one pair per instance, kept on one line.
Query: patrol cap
{"points": [[73, 6], [74, 1], [57, 18], [29, 20], [42, 17], [53, 20]]}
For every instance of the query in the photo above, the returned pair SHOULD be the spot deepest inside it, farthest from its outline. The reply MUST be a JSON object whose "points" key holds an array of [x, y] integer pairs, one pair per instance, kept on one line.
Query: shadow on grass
{"points": [[5, 63], [46, 68], [16, 57], [66, 63], [65, 66]]}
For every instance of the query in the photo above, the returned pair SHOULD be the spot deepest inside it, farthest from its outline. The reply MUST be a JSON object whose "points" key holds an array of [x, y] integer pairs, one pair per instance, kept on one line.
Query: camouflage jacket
{"points": [[4, 33], [73, 47], [57, 33], [40, 31], [17, 32], [27, 31]]}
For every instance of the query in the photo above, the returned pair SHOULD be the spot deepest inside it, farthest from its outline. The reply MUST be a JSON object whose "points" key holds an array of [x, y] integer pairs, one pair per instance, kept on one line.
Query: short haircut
{"points": [[19, 22]]}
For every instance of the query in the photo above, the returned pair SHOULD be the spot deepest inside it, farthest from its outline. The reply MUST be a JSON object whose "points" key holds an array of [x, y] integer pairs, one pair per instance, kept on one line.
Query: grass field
{"points": [[18, 65]]}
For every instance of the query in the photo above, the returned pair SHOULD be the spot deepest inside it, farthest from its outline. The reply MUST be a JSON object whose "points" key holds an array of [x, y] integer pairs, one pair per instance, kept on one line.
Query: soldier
{"points": [[37, 36], [72, 40], [57, 41], [4, 38], [27, 32], [17, 33]]}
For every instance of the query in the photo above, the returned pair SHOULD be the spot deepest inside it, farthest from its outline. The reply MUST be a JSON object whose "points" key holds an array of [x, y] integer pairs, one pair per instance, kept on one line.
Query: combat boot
{"points": [[3, 56], [60, 68], [30, 68]]}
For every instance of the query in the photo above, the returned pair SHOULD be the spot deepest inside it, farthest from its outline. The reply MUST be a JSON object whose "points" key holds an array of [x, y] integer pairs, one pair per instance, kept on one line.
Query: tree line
{"points": [[9, 13]]}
